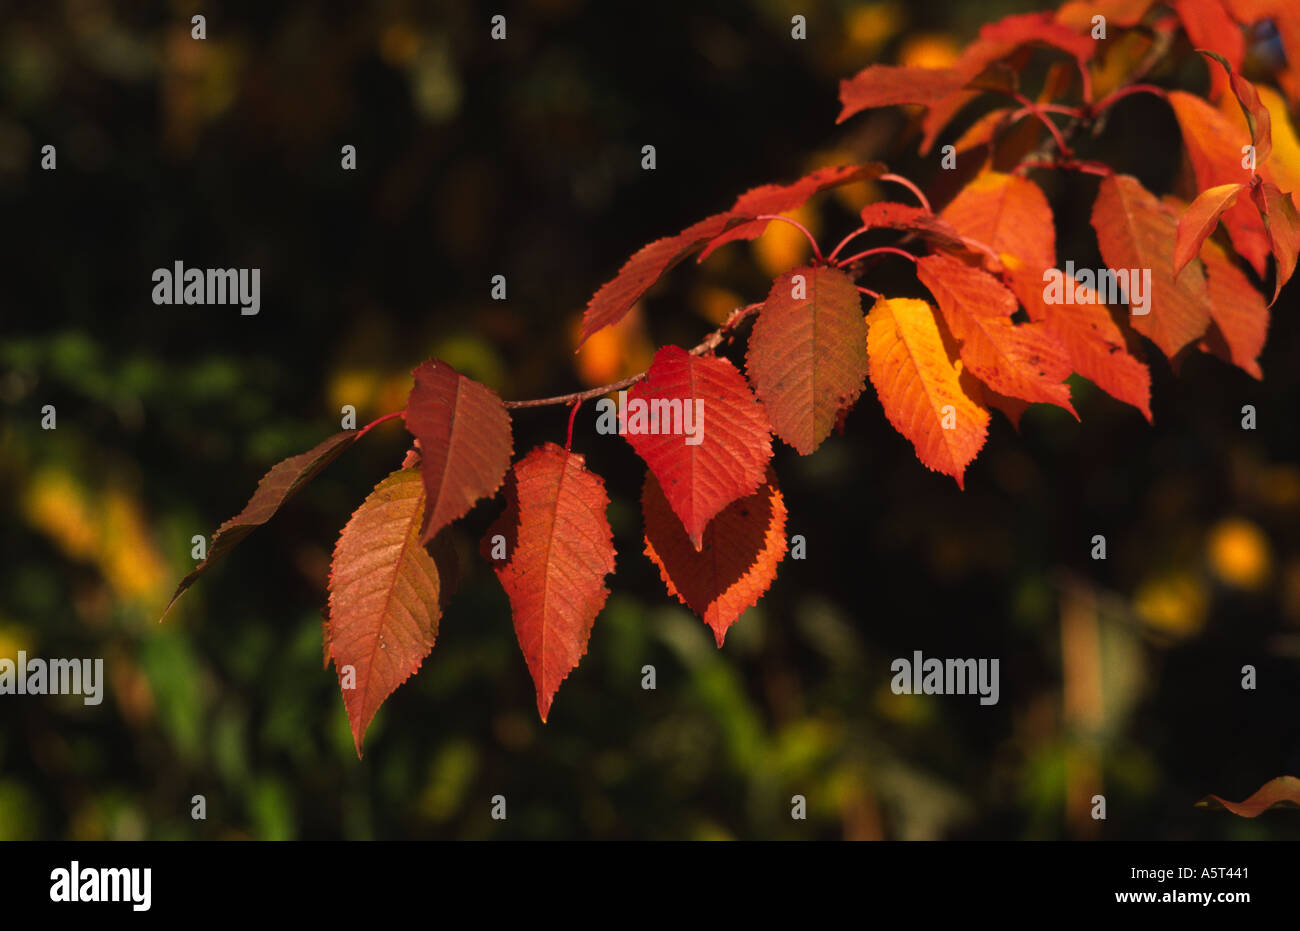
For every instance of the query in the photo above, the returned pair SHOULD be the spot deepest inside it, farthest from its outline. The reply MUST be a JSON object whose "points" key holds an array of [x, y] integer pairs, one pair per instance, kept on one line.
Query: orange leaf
{"points": [[1018, 360], [742, 547], [1097, 351], [465, 441], [1239, 312], [383, 603], [1135, 232], [734, 439], [1208, 26], [1283, 227], [559, 549], [1200, 219], [807, 357], [1283, 792], [919, 388], [273, 489], [1257, 116], [1214, 145], [1011, 216]]}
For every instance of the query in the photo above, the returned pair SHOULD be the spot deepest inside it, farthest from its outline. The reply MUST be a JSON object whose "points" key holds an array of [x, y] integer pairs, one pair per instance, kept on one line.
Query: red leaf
{"points": [[1098, 352], [807, 357], [1214, 145], [1199, 220], [383, 604], [559, 550], [782, 198], [998, 41], [616, 297], [1239, 312], [1283, 792], [465, 442], [735, 440], [743, 545], [1018, 360], [273, 489], [889, 215], [886, 85], [1135, 232], [1283, 227], [919, 388]]}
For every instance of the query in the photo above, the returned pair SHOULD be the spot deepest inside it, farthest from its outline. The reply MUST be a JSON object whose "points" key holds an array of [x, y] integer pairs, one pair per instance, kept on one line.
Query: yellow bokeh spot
{"points": [[612, 353], [105, 528], [57, 506], [929, 50], [716, 304], [782, 246], [873, 24], [1173, 603], [1239, 553]]}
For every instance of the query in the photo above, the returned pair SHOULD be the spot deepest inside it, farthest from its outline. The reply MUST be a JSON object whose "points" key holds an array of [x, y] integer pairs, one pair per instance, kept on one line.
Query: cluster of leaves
{"points": [[714, 515]]}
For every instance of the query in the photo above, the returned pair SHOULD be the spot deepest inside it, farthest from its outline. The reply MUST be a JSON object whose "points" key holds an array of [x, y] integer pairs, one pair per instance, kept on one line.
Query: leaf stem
{"points": [[1107, 102], [899, 179], [573, 412], [800, 227], [879, 250], [374, 423]]}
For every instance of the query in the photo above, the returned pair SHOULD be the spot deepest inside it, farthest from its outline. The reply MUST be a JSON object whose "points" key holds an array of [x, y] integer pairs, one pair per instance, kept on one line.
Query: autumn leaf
{"points": [[1017, 360], [1214, 146], [728, 457], [776, 199], [272, 491], [807, 357], [1283, 228], [1257, 116], [890, 215], [617, 296], [1098, 351], [742, 547], [384, 598], [919, 388], [996, 42], [1239, 312], [887, 85], [1282, 792], [1011, 216], [1209, 27], [1135, 232], [1199, 220], [559, 548], [465, 441]]}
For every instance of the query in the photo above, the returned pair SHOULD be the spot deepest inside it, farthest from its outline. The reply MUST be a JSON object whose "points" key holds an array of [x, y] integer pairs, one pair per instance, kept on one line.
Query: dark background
{"points": [[522, 158]]}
